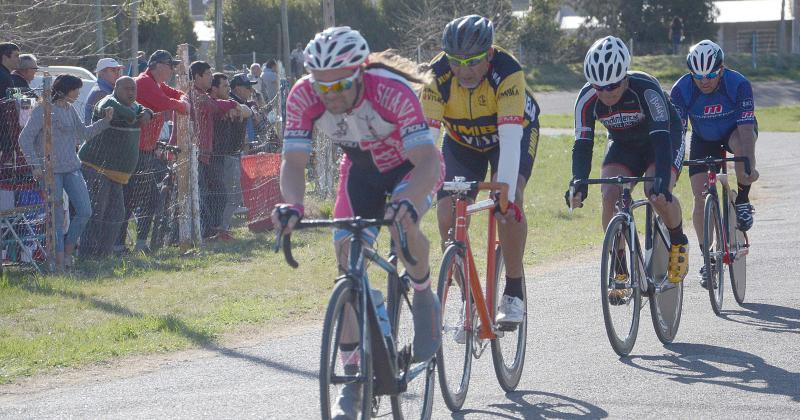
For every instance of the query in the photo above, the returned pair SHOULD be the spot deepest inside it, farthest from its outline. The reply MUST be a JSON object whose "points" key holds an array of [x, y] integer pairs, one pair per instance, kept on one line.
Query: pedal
{"points": [[505, 327]]}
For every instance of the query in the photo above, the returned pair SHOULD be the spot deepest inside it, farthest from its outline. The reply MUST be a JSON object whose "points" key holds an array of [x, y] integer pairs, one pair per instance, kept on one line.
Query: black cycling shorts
{"points": [[702, 148], [637, 157], [460, 160]]}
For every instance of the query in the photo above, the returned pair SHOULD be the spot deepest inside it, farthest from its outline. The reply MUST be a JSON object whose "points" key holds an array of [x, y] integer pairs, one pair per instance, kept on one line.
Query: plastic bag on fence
{"points": [[260, 188]]}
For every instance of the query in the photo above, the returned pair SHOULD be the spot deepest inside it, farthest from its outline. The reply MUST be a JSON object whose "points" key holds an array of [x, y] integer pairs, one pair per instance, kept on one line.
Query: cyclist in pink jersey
{"points": [[369, 109]]}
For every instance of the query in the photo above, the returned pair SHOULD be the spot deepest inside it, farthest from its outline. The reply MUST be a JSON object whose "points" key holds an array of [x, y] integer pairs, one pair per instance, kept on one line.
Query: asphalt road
{"points": [[745, 364], [785, 92]]}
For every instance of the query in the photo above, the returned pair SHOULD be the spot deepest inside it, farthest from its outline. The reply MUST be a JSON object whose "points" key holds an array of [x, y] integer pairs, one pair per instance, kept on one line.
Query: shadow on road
{"points": [[537, 405], [701, 363], [175, 325], [770, 318]]}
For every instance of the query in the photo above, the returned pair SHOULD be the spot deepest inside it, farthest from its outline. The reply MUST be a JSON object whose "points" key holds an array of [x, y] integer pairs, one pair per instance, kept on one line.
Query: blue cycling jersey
{"points": [[714, 116]]}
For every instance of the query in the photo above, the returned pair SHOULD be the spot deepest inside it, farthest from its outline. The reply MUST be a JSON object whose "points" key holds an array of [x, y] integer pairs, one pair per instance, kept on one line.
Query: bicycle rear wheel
{"points": [[621, 299], [508, 350], [666, 302], [454, 358], [737, 245], [714, 252], [417, 400], [342, 324]]}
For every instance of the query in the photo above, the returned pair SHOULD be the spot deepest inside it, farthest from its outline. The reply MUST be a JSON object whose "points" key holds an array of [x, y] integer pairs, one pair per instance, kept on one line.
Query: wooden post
{"points": [[183, 134], [135, 37], [49, 178], [328, 13], [219, 57]]}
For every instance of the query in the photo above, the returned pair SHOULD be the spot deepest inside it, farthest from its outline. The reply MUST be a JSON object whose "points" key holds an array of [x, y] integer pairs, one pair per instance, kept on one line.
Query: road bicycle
{"points": [[355, 314], [628, 272], [468, 316], [723, 242]]}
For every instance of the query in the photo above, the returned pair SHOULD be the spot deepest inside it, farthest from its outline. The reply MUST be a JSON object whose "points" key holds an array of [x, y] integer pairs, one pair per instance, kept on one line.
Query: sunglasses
{"points": [[607, 88], [466, 62], [336, 86], [712, 75]]}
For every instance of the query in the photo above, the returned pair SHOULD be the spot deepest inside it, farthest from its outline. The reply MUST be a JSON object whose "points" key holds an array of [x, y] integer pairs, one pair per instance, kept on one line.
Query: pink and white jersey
{"points": [[385, 124]]}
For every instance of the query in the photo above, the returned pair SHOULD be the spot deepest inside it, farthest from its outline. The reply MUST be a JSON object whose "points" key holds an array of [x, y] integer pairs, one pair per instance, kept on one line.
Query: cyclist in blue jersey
{"points": [[719, 103]]}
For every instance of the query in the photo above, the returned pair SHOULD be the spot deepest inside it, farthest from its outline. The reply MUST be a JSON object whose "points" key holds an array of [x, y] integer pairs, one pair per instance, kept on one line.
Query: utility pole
{"points": [[218, 58], [328, 14], [98, 17], [796, 27], [782, 29], [135, 37], [285, 28]]}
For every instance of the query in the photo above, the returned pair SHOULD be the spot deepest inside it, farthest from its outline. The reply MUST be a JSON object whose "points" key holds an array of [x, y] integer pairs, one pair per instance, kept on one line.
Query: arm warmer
{"points": [[508, 167]]}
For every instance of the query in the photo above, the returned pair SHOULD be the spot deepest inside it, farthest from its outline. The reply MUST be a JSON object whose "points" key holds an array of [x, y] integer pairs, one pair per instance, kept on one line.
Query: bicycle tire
{"points": [[416, 402], [343, 293], [160, 221], [508, 376], [618, 229], [666, 304], [713, 252], [451, 273], [738, 264]]}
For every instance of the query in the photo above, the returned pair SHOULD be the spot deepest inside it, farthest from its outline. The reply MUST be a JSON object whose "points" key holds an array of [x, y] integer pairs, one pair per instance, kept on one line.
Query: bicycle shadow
{"points": [[175, 325], [538, 405], [770, 318], [714, 365]]}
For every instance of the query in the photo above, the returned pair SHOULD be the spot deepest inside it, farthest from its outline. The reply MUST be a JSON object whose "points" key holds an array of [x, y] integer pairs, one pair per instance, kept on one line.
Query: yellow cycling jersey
{"points": [[471, 116]]}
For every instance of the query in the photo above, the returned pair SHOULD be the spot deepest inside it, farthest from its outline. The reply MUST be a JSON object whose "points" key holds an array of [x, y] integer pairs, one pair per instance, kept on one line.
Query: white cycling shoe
{"points": [[511, 311]]}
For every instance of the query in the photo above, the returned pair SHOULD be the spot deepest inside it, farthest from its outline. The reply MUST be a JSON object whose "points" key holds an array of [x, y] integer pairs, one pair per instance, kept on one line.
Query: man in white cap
{"points": [[108, 70]]}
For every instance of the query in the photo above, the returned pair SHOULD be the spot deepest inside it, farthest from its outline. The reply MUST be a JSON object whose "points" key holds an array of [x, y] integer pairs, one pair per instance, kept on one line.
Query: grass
{"points": [[667, 68], [141, 305], [777, 118]]}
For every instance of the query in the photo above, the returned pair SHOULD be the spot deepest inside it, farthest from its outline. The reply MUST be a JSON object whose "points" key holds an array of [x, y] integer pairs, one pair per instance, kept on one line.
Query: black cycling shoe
{"points": [[744, 216], [705, 275]]}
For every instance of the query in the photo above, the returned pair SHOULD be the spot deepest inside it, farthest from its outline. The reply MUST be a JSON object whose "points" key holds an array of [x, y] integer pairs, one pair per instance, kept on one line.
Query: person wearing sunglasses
{"points": [[719, 103], [645, 137], [480, 101], [368, 108]]}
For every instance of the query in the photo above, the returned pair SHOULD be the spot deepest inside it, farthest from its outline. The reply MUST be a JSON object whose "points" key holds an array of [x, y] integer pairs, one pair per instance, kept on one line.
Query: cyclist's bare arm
{"points": [[424, 176], [293, 181]]}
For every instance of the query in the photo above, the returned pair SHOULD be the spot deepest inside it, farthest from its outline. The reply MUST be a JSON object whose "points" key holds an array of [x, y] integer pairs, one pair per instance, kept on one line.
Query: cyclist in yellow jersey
{"points": [[480, 100]]}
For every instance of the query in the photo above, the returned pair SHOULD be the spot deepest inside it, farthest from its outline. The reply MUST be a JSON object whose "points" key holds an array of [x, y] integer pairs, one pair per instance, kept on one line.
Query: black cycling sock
{"points": [[513, 287], [676, 235], [744, 194]]}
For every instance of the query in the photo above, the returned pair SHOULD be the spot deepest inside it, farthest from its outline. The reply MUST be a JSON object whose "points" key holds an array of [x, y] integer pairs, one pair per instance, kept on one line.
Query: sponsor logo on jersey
{"points": [[444, 78], [480, 142], [622, 120], [747, 104], [747, 115], [712, 109], [482, 100], [411, 129], [297, 134], [496, 77], [510, 119], [512, 91], [658, 109]]}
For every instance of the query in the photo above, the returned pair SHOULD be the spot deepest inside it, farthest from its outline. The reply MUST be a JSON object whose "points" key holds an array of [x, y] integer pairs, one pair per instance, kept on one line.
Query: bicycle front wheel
{"points": [[619, 288], [666, 302], [508, 349], [417, 400], [713, 252], [737, 246], [454, 359], [342, 365]]}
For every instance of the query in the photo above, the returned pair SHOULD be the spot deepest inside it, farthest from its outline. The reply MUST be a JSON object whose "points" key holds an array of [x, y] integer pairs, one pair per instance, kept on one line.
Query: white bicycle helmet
{"points": [[607, 61], [336, 48], [704, 57]]}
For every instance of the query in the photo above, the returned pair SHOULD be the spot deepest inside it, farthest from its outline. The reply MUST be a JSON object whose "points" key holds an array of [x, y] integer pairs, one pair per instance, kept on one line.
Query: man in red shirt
{"points": [[141, 193]]}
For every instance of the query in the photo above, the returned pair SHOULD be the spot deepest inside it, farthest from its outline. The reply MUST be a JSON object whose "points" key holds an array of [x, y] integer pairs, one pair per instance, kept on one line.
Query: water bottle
{"points": [[383, 317]]}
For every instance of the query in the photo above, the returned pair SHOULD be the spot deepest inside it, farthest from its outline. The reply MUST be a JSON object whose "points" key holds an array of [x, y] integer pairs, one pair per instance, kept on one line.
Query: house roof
{"points": [[751, 11]]}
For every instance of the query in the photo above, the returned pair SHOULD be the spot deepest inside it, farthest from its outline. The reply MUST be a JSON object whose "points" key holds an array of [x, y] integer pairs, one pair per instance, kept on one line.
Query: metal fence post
{"points": [[755, 50]]}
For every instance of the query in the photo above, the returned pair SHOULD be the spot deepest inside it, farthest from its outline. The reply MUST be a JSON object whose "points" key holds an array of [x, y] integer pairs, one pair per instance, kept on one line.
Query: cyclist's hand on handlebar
{"points": [[579, 193], [753, 177], [513, 212], [659, 193], [285, 217]]}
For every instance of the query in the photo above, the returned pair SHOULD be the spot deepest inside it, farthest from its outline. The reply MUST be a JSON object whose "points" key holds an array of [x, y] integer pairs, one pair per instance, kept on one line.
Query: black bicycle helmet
{"points": [[467, 36]]}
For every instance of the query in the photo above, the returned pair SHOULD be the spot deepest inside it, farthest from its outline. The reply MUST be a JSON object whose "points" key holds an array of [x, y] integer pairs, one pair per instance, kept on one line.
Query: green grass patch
{"points": [[667, 68], [140, 305], [777, 118]]}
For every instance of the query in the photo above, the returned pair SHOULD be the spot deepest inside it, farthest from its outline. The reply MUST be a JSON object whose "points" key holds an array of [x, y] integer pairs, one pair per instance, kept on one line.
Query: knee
{"points": [[610, 195]]}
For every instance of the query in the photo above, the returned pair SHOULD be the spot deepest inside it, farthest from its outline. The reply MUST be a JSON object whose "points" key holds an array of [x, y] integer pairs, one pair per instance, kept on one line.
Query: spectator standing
{"points": [[141, 61], [24, 74], [68, 132], [109, 160], [141, 192], [297, 58], [9, 61], [676, 34], [205, 110], [108, 71], [229, 139], [270, 81], [255, 76]]}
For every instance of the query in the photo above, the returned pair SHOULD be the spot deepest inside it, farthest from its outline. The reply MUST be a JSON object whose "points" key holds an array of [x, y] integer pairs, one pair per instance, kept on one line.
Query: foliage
{"points": [[164, 24], [539, 33]]}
